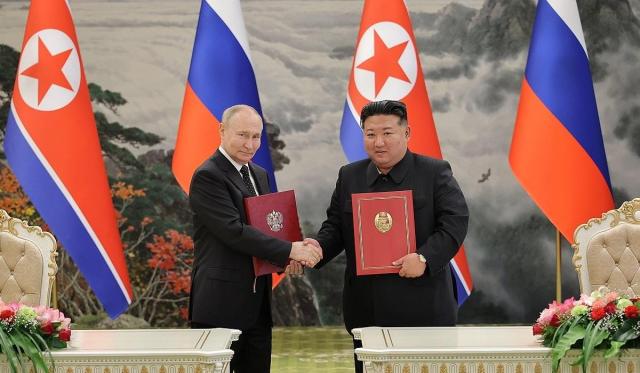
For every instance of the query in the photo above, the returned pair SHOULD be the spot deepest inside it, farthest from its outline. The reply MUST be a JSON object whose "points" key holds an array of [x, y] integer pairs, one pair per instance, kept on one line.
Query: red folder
{"points": [[274, 214], [384, 230]]}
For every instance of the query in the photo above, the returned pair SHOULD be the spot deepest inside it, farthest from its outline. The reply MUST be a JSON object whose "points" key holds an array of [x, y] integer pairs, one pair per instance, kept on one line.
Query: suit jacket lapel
{"points": [[230, 171], [261, 180]]}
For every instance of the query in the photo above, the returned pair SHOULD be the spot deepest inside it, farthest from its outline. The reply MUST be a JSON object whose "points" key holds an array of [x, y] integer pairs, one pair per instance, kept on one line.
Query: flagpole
{"points": [[558, 267]]}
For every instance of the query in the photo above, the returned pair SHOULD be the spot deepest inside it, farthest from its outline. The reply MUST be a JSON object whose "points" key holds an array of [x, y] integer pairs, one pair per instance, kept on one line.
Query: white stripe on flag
{"points": [[568, 11], [230, 12], [463, 281]]}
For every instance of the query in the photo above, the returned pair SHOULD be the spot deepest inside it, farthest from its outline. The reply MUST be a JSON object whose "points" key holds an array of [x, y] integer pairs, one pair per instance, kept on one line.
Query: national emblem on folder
{"points": [[275, 220]]}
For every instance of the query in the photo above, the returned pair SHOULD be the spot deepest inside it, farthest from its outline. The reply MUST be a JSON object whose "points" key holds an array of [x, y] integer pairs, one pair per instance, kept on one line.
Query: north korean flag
{"points": [[386, 66], [52, 146]]}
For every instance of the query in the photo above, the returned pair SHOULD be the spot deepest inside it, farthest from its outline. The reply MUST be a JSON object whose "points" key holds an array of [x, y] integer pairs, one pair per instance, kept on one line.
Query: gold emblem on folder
{"points": [[383, 222]]}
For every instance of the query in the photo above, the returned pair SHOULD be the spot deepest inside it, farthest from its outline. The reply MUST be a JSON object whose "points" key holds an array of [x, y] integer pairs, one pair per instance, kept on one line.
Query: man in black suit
{"points": [[225, 292], [423, 292]]}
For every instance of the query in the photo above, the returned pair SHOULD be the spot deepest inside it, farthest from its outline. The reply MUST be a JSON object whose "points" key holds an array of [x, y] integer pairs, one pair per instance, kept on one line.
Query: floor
{"points": [[311, 350]]}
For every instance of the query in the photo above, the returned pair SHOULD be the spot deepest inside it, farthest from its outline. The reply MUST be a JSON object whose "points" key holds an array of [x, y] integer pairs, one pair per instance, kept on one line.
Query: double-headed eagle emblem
{"points": [[275, 221]]}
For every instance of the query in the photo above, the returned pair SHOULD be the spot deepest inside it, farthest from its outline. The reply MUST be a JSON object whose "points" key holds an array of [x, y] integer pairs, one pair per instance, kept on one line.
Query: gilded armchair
{"points": [[607, 251], [27, 262]]}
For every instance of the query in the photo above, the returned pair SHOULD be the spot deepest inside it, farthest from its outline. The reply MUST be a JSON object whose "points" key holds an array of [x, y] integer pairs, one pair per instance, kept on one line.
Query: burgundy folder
{"points": [[384, 230], [274, 214]]}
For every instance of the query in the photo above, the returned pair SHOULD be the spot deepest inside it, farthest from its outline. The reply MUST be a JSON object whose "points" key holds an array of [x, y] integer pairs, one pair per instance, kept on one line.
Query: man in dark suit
{"points": [[423, 292], [225, 292]]}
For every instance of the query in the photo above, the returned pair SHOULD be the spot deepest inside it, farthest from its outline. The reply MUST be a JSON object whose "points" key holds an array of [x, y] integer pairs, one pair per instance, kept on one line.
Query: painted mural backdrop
{"points": [[473, 54]]}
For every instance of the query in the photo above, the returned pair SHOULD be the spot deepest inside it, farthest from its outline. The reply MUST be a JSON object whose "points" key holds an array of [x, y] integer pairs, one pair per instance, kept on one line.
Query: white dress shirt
{"points": [[238, 166]]}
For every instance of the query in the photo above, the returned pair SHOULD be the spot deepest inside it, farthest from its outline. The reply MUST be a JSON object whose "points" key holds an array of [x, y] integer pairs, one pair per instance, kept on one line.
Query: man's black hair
{"points": [[384, 107]]}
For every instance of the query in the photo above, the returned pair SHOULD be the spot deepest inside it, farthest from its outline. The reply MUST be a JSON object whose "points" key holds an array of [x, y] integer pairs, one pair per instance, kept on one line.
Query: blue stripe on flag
{"points": [[56, 210], [221, 75], [351, 136], [461, 292], [263, 158], [558, 71]]}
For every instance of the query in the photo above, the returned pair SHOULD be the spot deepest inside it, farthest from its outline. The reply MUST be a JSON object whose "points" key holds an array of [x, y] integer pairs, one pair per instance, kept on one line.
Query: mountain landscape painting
{"points": [[473, 54]]}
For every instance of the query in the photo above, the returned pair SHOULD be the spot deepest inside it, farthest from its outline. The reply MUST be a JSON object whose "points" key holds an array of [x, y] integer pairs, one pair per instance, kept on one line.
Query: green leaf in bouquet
{"points": [[56, 343], [6, 347], [594, 336], [31, 349], [560, 331], [547, 337], [625, 333], [614, 350], [43, 347], [574, 332]]}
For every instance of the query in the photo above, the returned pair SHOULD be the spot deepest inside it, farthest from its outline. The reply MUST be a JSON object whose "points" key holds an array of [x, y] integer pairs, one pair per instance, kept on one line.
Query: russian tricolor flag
{"points": [[386, 66], [557, 151], [221, 75], [52, 147]]}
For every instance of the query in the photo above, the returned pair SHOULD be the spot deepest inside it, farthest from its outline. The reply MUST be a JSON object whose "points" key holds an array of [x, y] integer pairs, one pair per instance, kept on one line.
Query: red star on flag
{"points": [[48, 70], [384, 62]]}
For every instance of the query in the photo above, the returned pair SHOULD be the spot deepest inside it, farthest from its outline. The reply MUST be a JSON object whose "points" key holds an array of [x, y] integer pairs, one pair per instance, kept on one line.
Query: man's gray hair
{"points": [[235, 109]]}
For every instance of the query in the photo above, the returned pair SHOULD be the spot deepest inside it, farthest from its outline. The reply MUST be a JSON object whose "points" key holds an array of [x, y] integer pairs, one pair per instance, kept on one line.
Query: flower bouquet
{"points": [[31, 332], [605, 321]]}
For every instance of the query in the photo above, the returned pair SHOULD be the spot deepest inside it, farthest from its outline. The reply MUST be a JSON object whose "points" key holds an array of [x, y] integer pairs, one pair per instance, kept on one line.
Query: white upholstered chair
{"points": [[607, 251], [27, 262]]}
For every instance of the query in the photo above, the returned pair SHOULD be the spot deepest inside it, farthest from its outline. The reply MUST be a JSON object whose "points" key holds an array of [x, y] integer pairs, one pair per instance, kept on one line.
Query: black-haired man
{"points": [[423, 293]]}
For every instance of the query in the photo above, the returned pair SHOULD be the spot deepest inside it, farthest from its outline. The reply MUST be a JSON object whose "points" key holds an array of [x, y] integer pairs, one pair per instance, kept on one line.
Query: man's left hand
{"points": [[411, 266], [294, 269]]}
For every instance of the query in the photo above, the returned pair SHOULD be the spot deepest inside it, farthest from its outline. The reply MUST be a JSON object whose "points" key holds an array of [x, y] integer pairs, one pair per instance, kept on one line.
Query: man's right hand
{"points": [[307, 254]]}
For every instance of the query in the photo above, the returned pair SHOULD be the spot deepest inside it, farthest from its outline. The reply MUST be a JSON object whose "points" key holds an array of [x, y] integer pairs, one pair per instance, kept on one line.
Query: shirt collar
{"points": [[396, 174], [235, 164]]}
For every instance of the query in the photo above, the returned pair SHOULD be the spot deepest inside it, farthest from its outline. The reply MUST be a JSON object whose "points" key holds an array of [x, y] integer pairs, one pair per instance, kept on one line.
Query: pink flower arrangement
{"points": [[556, 312], [601, 320], [29, 332], [54, 321]]}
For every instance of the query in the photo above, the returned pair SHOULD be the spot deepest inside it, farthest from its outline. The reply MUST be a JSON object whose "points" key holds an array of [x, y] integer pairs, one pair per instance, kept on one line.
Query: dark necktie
{"points": [[244, 170]]}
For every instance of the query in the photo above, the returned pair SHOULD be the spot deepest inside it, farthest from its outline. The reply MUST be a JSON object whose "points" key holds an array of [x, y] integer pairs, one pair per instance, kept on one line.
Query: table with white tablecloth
{"points": [[482, 349], [145, 351]]}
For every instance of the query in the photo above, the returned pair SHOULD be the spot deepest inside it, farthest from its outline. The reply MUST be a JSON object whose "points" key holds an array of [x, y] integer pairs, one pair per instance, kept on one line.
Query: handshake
{"points": [[305, 253]]}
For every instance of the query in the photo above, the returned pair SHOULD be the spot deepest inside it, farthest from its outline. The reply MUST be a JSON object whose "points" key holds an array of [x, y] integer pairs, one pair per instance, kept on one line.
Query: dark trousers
{"points": [[358, 363], [252, 351]]}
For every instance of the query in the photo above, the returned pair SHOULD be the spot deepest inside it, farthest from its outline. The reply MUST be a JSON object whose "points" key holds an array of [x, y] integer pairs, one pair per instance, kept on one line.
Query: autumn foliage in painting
{"points": [[14, 201], [159, 264]]}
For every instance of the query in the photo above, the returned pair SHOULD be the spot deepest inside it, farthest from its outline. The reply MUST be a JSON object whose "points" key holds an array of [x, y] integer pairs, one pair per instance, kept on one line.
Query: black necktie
{"points": [[244, 170]]}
